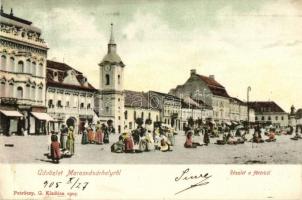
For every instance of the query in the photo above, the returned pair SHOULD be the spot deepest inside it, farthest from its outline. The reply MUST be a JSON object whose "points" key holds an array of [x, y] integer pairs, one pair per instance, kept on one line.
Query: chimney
{"points": [[193, 72], [212, 77]]}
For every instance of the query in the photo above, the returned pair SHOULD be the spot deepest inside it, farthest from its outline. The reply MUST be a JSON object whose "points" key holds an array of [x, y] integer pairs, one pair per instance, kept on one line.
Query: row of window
{"points": [[135, 115], [269, 118], [67, 104], [29, 67], [31, 91]]}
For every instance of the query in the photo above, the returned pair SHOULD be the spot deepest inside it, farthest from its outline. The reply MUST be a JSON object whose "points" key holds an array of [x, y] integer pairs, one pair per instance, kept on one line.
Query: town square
{"points": [[96, 93]]}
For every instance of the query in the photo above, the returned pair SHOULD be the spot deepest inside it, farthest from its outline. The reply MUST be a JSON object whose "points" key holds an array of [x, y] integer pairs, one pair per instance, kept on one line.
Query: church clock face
{"points": [[107, 68]]}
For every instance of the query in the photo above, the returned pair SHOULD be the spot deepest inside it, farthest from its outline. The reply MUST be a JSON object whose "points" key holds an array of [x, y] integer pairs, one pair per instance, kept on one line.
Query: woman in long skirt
{"points": [[63, 138], [91, 135], [55, 151], [98, 134], [70, 141], [85, 137], [106, 134]]}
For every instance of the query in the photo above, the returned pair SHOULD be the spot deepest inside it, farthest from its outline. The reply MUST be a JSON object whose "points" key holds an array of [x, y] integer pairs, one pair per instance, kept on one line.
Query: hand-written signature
{"points": [[201, 178]]}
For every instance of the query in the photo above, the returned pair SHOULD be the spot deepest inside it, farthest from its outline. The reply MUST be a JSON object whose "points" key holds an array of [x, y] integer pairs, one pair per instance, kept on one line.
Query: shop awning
{"points": [[11, 113], [42, 116]]}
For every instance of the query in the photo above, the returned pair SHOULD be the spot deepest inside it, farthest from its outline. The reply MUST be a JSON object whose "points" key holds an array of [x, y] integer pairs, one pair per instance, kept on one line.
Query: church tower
{"points": [[111, 101]]}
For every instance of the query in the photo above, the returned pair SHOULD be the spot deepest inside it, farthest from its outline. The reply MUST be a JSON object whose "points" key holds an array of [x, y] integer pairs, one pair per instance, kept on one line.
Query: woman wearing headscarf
{"points": [[55, 151], [91, 135], [70, 141], [98, 134], [63, 138], [106, 134], [85, 134]]}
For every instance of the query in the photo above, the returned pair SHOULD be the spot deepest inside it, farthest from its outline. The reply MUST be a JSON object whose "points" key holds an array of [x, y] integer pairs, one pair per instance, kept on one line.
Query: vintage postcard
{"points": [[162, 99]]}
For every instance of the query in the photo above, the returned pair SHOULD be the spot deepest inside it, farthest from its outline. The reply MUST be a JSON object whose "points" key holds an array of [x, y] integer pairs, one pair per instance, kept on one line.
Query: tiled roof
{"points": [[61, 69], [215, 87], [265, 106]]}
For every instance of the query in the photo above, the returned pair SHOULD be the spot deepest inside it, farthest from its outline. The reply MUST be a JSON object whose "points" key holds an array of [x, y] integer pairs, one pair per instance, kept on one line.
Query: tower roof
{"points": [[112, 57]]}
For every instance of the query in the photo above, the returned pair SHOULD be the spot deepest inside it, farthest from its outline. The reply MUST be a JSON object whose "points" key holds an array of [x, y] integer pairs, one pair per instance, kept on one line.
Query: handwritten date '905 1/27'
{"points": [[72, 181]]}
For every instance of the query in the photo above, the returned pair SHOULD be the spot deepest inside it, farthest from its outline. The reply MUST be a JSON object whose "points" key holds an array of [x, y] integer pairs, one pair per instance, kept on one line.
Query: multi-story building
{"points": [[268, 112], [170, 108], [208, 90], [69, 95], [138, 105], [22, 76], [239, 111]]}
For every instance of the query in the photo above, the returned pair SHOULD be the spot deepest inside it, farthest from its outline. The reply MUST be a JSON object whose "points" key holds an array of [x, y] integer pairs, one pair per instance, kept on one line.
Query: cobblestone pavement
{"points": [[31, 149]]}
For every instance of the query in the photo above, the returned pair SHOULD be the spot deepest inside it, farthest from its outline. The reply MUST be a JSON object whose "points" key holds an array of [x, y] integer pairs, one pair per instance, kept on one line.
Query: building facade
{"points": [[69, 96], [138, 105], [269, 113], [22, 77], [213, 94]]}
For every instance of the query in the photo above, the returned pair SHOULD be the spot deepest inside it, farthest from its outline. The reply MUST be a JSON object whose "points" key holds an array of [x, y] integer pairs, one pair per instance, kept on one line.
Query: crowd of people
{"points": [[62, 144], [233, 135], [144, 139], [96, 133], [162, 137]]}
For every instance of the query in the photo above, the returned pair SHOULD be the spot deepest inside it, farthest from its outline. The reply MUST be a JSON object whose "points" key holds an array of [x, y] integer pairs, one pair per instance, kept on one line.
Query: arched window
{"points": [[126, 114], [33, 69], [40, 70], [33, 92], [118, 79], [11, 89], [88, 106], [262, 118], [40, 93], [19, 92], [3, 62], [82, 105], [142, 115], [2, 88], [27, 66], [107, 79], [134, 115], [269, 118], [20, 66], [11, 64], [27, 91]]}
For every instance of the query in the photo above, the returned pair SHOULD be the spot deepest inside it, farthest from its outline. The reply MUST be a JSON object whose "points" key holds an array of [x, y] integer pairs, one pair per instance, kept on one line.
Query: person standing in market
{"points": [[55, 151], [98, 133], [63, 138], [70, 141]]}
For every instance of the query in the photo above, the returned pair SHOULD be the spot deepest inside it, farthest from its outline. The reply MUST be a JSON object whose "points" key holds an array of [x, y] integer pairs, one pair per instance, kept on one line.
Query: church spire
{"points": [[111, 41], [111, 44]]}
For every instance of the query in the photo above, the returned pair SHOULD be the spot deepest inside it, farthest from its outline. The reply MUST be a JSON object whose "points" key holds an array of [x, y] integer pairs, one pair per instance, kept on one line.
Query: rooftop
{"points": [[265, 106]]}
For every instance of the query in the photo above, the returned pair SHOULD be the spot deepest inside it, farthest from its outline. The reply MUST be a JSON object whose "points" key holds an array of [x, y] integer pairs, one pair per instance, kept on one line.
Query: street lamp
{"points": [[248, 108]]}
